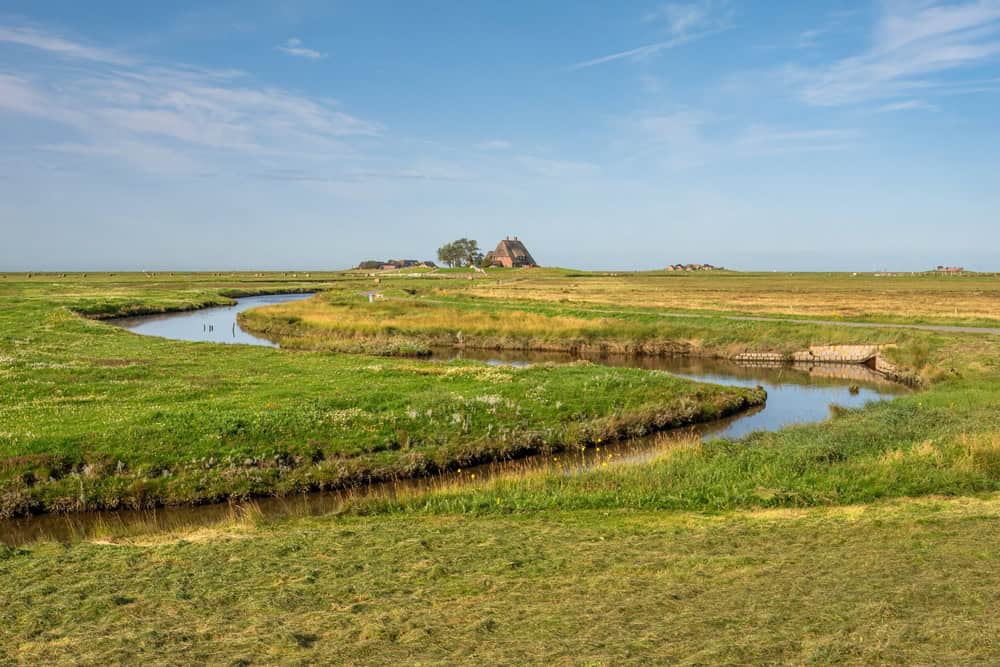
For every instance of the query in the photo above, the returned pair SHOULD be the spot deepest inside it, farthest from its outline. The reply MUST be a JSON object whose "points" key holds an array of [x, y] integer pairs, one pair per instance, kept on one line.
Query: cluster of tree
{"points": [[463, 252]]}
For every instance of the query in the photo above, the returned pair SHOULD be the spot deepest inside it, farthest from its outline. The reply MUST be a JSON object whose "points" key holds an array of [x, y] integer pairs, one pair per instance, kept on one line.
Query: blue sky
{"points": [[301, 134]]}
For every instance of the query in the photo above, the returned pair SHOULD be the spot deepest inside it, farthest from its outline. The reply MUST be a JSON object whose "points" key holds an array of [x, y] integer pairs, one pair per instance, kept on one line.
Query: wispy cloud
{"points": [[143, 154], [835, 22], [689, 138], [553, 168], [294, 47], [682, 19], [420, 171], [764, 139], [683, 23], [169, 115], [680, 131], [906, 105], [494, 145], [17, 94], [811, 37], [968, 87], [913, 44], [57, 45], [639, 51]]}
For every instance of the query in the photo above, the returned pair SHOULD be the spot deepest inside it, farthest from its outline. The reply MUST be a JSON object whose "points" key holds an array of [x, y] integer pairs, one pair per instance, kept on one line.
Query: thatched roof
{"points": [[515, 250]]}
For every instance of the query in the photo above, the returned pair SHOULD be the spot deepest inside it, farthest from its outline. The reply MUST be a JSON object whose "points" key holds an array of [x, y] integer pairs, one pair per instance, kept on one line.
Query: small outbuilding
{"points": [[510, 253]]}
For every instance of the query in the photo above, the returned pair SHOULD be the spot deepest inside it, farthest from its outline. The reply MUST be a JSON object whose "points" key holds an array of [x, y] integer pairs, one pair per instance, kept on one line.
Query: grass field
{"points": [[868, 539], [96, 417], [904, 583], [930, 298]]}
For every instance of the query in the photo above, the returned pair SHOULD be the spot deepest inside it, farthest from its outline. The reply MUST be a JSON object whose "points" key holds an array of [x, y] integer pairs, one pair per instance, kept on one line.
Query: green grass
{"points": [[95, 417], [868, 539], [900, 584], [942, 442]]}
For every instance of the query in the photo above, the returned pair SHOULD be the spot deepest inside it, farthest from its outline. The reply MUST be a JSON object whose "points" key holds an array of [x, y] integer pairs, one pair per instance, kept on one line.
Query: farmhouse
{"points": [[694, 267], [510, 253]]}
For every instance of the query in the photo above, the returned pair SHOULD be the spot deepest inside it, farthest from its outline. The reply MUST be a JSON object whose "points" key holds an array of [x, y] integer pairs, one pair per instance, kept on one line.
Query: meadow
{"points": [[874, 297], [865, 539], [894, 583], [95, 417]]}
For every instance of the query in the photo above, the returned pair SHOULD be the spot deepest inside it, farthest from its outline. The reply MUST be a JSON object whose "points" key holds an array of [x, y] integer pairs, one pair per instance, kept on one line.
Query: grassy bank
{"points": [[943, 442], [96, 417], [910, 582]]}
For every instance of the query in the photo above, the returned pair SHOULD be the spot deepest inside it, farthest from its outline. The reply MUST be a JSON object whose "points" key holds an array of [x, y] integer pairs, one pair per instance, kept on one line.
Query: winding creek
{"points": [[213, 325], [797, 394]]}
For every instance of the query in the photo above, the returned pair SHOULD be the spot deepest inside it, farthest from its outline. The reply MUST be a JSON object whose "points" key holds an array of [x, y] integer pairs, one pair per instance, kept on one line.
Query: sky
{"points": [[308, 134]]}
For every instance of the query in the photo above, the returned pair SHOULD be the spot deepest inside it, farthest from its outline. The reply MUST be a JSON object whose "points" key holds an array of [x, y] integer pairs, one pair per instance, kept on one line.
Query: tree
{"points": [[447, 254], [462, 252]]}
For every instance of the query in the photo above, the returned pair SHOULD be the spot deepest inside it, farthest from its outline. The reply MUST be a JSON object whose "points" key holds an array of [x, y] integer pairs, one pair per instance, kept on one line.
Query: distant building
{"points": [[950, 269], [510, 253], [391, 264], [403, 263], [694, 267]]}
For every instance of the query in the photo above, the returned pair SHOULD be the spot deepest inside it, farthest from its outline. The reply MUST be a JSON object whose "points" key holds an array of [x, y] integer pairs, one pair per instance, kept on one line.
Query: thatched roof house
{"points": [[510, 253]]}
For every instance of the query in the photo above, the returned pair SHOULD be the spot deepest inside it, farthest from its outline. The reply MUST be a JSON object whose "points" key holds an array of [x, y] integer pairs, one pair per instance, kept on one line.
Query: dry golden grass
{"points": [[410, 325], [416, 317], [841, 295]]}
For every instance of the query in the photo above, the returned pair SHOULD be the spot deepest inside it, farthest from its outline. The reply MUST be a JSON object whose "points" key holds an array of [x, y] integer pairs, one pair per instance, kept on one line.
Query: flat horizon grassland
{"points": [[931, 298], [867, 539]]}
